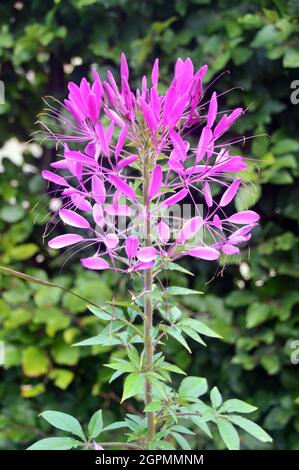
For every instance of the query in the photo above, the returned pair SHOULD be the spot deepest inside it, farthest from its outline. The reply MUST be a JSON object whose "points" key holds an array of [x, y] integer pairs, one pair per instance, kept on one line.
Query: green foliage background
{"points": [[254, 305]]}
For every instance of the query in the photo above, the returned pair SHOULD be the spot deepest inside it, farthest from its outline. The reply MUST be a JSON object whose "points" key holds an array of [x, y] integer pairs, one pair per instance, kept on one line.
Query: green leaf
{"points": [[64, 422], [216, 398], [99, 313], [124, 366], [115, 425], [252, 428], [291, 59], [200, 327], [95, 425], [201, 424], [193, 387], [153, 406], [175, 333], [24, 251], [62, 377], [228, 433], [247, 197], [35, 362], [55, 443], [178, 267], [134, 357], [236, 406], [257, 313], [173, 368], [132, 386], [192, 334], [182, 441], [65, 354], [176, 290]]}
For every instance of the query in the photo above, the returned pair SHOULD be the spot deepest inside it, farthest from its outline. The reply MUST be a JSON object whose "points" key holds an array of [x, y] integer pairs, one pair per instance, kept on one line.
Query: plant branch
{"points": [[148, 307]]}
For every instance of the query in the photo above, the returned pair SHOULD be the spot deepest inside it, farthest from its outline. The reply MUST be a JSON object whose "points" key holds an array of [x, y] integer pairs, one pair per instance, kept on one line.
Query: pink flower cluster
{"points": [[101, 182]]}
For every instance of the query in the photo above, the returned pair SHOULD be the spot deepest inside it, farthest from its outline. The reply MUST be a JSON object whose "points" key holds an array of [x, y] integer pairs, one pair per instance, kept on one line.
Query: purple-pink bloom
{"points": [[100, 181]]}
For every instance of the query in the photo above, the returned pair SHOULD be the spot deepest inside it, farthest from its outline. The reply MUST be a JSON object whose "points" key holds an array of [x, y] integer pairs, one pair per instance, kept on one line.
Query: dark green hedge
{"points": [[254, 305]]}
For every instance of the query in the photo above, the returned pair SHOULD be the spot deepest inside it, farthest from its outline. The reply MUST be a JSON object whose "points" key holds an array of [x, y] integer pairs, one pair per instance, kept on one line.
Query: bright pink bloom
{"points": [[100, 180]]}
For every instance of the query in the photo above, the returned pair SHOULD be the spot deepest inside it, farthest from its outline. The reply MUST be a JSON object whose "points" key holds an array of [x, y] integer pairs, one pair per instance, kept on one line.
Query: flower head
{"points": [[155, 203]]}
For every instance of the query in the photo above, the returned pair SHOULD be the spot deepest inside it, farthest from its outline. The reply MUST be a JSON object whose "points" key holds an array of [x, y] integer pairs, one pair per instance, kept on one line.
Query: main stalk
{"points": [[148, 307]]}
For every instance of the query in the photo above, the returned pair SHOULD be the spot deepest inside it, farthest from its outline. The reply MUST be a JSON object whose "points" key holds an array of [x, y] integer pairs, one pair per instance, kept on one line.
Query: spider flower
{"points": [[102, 184]]}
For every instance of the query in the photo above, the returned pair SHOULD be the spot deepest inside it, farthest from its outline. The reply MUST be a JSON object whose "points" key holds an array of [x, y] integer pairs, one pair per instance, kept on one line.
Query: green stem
{"points": [[148, 312]]}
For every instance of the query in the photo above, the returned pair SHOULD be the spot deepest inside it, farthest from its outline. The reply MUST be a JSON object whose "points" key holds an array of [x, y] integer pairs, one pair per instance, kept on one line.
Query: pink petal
{"points": [[208, 195], [60, 165], [131, 246], [179, 145], [81, 203], [97, 446], [147, 254], [205, 138], [163, 231], [148, 114], [53, 178], [79, 157], [114, 117], [121, 141], [230, 249], [98, 215], [169, 101], [111, 240], [102, 138], [92, 106], [244, 217], [123, 187], [233, 164], [127, 161], [95, 262], [145, 265], [155, 73], [217, 222], [155, 102], [72, 218], [98, 189], [109, 133], [177, 110], [204, 252], [156, 182], [230, 193], [176, 166], [212, 113], [175, 198], [190, 228], [65, 240], [124, 69], [118, 209]]}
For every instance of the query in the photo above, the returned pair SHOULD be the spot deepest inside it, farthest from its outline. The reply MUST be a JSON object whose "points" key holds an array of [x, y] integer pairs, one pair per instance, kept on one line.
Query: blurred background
{"points": [[254, 305]]}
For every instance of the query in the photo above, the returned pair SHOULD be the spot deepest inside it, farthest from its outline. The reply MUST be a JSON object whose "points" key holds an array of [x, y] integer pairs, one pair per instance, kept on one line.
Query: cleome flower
{"points": [[169, 189]]}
